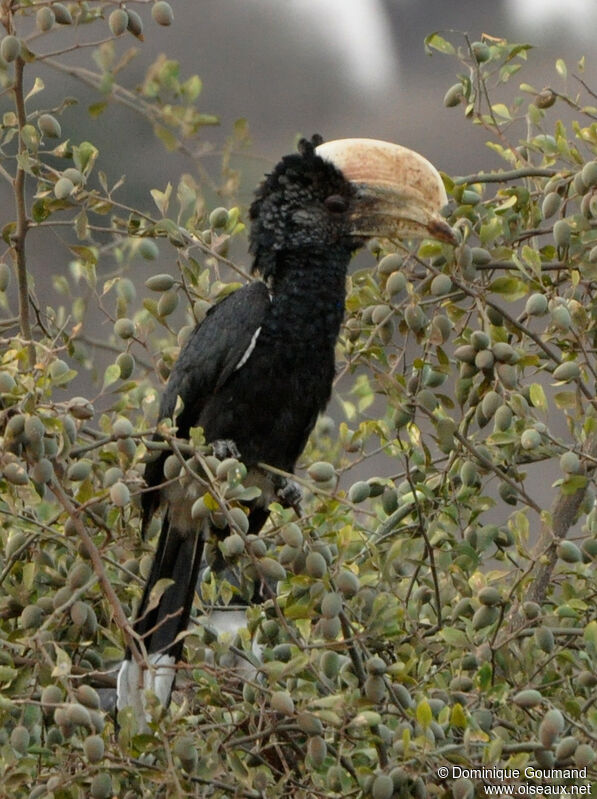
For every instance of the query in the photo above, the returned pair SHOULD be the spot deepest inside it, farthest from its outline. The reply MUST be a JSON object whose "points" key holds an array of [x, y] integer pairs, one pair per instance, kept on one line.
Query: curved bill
{"points": [[399, 194]]}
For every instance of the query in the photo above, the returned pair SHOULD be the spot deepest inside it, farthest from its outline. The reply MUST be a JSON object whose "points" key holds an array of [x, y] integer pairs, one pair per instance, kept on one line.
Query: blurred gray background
{"points": [[337, 67]]}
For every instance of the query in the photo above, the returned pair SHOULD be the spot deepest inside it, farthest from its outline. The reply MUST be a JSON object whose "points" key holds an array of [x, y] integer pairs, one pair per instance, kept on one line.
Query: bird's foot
{"points": [[225, 448], [288, 492]]}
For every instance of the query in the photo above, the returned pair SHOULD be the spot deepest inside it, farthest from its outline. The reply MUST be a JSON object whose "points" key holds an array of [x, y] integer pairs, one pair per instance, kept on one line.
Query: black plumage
{"points": [[255, 374]]}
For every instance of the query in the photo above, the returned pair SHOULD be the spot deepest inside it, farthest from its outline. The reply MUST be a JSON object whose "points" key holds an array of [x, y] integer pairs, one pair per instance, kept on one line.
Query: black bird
{"points": [[257, 371]]}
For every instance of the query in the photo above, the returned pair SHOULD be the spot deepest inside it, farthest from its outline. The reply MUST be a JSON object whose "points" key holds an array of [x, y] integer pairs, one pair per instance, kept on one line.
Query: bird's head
{"points": [[342, 193]]}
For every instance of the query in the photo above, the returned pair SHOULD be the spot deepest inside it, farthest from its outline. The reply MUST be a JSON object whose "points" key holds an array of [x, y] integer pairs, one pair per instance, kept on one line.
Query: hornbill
{"points": [[257, 371]]}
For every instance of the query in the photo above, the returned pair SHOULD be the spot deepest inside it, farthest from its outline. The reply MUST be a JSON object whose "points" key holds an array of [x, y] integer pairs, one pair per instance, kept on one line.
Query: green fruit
{"points": [[101, 786], [50, 127], [51, 695], [584, 755], [63, 188], [20, 738], [79, 470], [16, 473], [390, 263], [489, 596], [570, 463], [461, 683], [470, 197], [562, 233], [465, 353], [560, 317], [531, 610], [481, 51], [120, 494], [569, 370], [79, 612], [124, 328], [308, 723], [118, 21], [330, 664], [491, 402], [527, 698], [403, 696], [504, 353], [282, 702], [415, 318], [330, 628], [42, 471], [147, 248], [484, 617], [569, 552], [454, 96], [74, 176], [79, 575], [566, 748], [347, 583], [469, 474], [544, 639], [530, 439], [376, 665], [480, 256], [126, 364], [88, 696], [135, 24], [321, 471], [168, 303], [331, 605], [241, 520], [395, 284], [382, 787], [292, 535], [375, 689], [4, 283], [440, 285], [78, 715], [30, 617], [93, 746], [359, 492], [10, 48], [45, 19], [551, 204], [315, 565], [551, 727], [536, 305], [163, 15], [480, 340], [271, 569], [63, 15], [218, 218], [233, 545], [317, 750], [162, 282], [589, 174], [484, 360]]}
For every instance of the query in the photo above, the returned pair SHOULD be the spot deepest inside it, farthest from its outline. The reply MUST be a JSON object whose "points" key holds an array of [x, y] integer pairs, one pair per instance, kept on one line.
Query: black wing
{"points": [[210, 355]]}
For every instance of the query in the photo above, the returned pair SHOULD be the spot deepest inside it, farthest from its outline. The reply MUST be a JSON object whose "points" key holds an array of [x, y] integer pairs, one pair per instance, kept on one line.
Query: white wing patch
{"points": [[249, 350]]}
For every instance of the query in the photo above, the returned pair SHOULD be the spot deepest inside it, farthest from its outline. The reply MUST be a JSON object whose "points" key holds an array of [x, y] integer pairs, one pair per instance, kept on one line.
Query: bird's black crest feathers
{"points": [[288, 209]]}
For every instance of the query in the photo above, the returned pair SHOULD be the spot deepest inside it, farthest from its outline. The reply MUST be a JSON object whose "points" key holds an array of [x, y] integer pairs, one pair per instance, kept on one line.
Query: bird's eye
{"points": [[336, 203]]}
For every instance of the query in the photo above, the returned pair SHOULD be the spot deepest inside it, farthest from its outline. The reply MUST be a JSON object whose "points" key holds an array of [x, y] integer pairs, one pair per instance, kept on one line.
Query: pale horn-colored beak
{"points": [[399, 194]]}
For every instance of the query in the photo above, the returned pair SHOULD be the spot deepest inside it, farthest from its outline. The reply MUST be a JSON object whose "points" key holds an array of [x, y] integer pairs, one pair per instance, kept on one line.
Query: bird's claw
{"points": [[225, 448], [289, 493]]}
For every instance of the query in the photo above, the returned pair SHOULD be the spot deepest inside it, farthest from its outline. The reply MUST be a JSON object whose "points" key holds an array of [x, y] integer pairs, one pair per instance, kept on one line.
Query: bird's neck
{"points": [[308, 291]]}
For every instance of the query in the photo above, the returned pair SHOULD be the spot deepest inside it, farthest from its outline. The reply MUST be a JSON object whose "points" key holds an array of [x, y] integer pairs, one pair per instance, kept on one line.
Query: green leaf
{"points": [[455, 637], [538, 398], [436, 42], [561, 68], [424, 714], [509, 287], [111, 375]]}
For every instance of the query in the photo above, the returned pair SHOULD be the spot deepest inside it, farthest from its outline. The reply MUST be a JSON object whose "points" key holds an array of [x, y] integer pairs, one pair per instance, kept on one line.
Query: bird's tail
{"points": [[163, 614]]}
